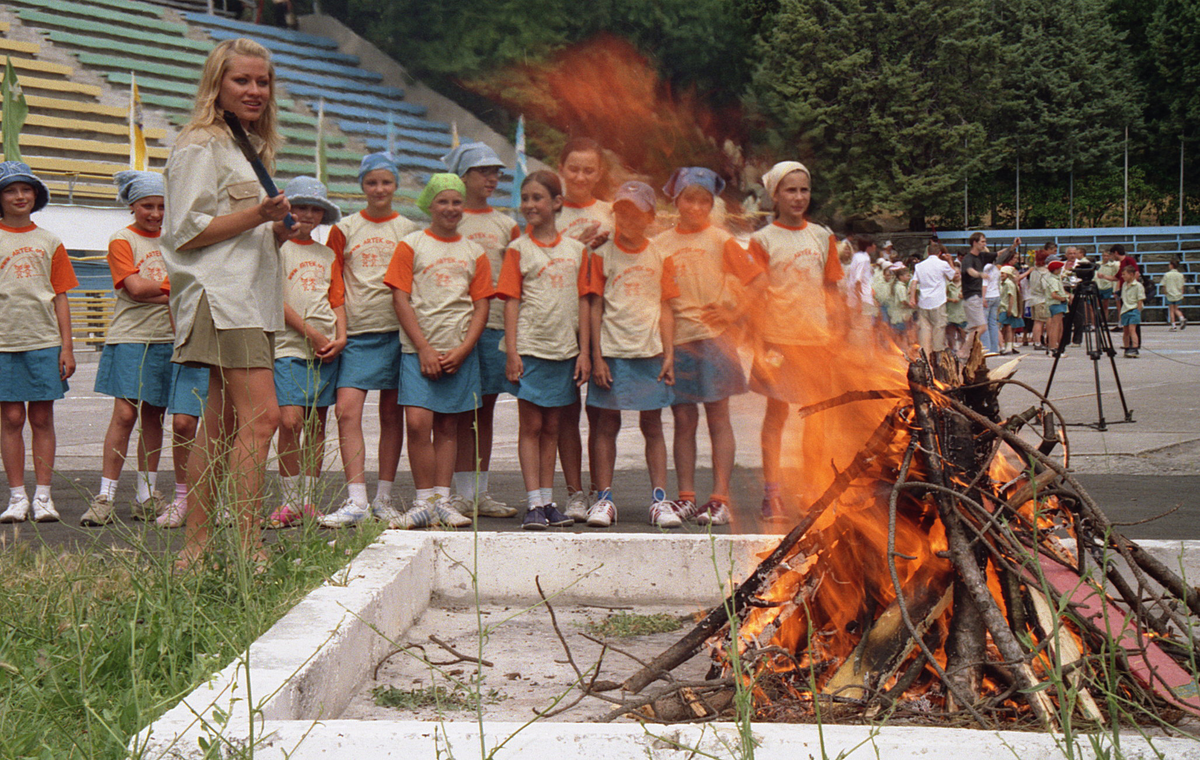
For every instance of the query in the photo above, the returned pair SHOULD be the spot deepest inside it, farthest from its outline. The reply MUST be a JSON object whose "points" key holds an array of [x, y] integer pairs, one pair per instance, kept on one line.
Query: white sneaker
{"points": [[487, 506], [420, 515], [383, 509], [18, 509], [175, 515], [664, 515], [43, 509], [444, 510], [348, 514], [577, 507], [602, 514]]}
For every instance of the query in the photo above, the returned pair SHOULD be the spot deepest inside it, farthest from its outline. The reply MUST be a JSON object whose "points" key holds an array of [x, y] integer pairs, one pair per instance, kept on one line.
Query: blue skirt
{"points": [[371, 362], [136, 371], [1058, 308], [300, 382], [449, 394], [31, 375], [546, 383], [635, 385], [1008, 320], [491, 363], [189, 390], [1131, 317], [706, 371]]}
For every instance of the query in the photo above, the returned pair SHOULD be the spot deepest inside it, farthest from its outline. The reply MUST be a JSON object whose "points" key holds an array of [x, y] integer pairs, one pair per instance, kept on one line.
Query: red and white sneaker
{"points": [[602, 514], [287, 516], [664, 514], [713, 513]]}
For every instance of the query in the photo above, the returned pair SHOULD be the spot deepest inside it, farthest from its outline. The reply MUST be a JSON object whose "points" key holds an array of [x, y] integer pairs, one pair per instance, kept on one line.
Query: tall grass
{"points": [[97, 642]]}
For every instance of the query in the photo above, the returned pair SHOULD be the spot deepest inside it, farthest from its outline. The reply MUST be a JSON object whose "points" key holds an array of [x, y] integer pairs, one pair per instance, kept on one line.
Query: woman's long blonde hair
{"points": [[207, 114]]}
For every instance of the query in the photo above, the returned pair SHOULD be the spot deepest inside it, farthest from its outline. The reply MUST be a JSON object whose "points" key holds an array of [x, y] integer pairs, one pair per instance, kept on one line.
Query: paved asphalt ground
{"points": [[1136, 471]]}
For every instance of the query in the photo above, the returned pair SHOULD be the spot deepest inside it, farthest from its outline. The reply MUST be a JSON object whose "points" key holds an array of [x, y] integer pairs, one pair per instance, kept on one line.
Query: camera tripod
{"points": [[1097, 342]]}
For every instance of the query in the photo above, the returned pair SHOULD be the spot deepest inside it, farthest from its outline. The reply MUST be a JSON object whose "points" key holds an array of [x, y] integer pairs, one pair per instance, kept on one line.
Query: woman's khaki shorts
{"points": [[241, 348]]}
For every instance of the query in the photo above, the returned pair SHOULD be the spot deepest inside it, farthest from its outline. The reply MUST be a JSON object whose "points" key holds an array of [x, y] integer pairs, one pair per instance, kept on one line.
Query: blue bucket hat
{"points": [[15, 171], [688, 176], [373, 161], [132, 185], [309, 191], [472, 155], [638, 193]]}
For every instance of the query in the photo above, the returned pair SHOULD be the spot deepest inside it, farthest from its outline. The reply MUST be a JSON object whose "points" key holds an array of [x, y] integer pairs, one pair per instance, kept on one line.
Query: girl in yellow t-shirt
{"points": [[135, 368], [546, 329], [36, 352], [441, 283]]}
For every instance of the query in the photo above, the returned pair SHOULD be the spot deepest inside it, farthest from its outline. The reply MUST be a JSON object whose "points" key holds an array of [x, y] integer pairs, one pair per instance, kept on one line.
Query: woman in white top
{"points": [[220, 244]]}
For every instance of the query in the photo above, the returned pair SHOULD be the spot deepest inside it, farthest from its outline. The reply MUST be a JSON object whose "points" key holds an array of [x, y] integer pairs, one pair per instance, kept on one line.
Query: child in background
{"points": [[1056, 304], [1172, 283], [956, 315], [881, 290], [307, 353], [363, 245], [36, 351], [189, 392], [802, 272], [1107, 276], [1038, 301], [1010, 309], [711, 270], [135, 368], [589, 220], [1133, 299], [480, 167], [903, 305], [633, 354], [547, 319], [441, 283]]}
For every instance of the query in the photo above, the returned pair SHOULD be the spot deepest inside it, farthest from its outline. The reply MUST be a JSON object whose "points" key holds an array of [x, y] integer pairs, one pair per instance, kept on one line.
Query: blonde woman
{"points": [[221, 246]]}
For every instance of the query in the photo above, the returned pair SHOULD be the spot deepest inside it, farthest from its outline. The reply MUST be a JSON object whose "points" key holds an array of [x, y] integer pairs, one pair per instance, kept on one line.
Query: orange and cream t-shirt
{"points": [[444, 277], [549, 279], [132, 251], [308, 289], [799, 262], [493, 231], [634, 285], [580, 221], [34, 268], [363, 247], [710, 269]]}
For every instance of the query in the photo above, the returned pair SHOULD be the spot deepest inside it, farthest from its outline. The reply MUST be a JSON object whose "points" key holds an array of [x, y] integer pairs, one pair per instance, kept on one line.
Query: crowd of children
{"points": [[593, 305]]}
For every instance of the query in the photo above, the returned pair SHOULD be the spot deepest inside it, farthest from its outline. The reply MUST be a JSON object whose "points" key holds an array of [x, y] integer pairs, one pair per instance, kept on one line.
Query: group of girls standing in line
{"points": [[439, 320]]}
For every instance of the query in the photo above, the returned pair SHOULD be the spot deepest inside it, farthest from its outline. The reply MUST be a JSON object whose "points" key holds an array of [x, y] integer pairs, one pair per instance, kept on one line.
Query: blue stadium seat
{"points": [[439, 137], [279, 46], [286, 35], [371, 101], [303, 76], [308, 64]]}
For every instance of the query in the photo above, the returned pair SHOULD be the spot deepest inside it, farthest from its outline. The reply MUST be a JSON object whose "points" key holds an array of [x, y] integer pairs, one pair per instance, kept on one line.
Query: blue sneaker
{"points": [[555, 518], [535, 519]]}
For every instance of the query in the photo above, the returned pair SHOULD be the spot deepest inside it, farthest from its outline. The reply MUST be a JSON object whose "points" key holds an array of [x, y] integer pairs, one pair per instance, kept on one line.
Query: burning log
{"points": [[988, 611]]}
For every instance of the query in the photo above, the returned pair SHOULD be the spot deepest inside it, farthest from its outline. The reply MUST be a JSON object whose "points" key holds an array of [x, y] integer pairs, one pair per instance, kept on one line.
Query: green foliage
{"points": [[97, 643], [443, 697], [626, 624]]}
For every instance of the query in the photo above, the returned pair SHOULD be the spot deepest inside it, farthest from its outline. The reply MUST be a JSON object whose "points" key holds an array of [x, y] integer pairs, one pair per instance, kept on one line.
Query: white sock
{"points": [[290, 485], [443, 491], [39, 491], [145, 485], [534, 498], [426, 494], [357, 493], [482, 486], [308, 488], [18, 492], [108, 487], [383, 489], [547, 495], [464, 484]]}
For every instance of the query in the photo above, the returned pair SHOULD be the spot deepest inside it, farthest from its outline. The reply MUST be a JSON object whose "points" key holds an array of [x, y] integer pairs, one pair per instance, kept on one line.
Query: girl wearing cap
{"points": [[802, 271], [1056, 300], [135, 367], [36, 352], [307, 354], [441, 283], [220, 243], [633, 355], [480, 167], [547, 318], [363, 245], [1011, 308], [711, 271]]}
